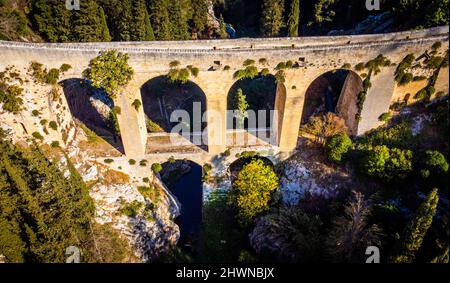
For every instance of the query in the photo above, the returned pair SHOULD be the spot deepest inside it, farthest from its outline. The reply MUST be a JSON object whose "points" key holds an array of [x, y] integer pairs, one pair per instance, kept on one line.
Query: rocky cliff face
{"points": [[151, 232]]}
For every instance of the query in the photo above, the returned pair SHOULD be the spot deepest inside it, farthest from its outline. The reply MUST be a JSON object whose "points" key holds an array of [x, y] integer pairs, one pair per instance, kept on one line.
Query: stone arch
{"points": [[161, 98], [94, 109], [261, 94], [334, 91], [184, 180]]}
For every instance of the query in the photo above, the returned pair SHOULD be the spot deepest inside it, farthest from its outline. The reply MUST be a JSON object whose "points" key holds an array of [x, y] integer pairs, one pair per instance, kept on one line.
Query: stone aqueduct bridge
{"points": [[315, 55]]}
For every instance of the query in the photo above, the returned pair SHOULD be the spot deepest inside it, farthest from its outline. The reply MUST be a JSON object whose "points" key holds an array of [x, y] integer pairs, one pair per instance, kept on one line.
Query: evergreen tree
{"points": [[241, 105], [200, 16], [294, 18], [222, 28], [104, 30], [124, 21], [41, 211], [52, 20], [140, 26], [417, 228], [159, 17], [89, 23], [272, 17], [179, 28]]}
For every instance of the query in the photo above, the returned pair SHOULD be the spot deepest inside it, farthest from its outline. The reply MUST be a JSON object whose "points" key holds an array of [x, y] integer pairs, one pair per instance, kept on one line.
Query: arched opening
{"points": [[257, 96], [93, 110], [184, 180], [334, 92], [164, 101]]}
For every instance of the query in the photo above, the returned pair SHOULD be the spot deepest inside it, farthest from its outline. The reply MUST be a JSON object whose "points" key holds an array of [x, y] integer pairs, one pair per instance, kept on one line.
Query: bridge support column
{"points": [[131, 123], [378, 100], [289, 105], [216, 90]]}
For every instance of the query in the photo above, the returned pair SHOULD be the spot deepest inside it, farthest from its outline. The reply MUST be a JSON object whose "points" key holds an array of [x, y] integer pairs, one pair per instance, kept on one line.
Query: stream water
{"points": [[189, 192]]}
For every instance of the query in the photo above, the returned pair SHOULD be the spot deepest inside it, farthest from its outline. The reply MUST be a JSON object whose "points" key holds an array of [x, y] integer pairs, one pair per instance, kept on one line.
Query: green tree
{"points": [[387, 164], [179, 27], [434, 164], [42, 212], [109, 71], [272, 17], [222, 28], [417, 228], [252, 190], [294, 18], [141, 27], [160, 20], [337, 147], [240, 105], [323, 11], [436, 13], [199, 19], [52, 20], [89, 23]]}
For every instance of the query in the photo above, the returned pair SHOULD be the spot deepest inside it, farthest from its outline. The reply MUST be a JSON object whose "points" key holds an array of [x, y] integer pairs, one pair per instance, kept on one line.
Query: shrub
{"points": [[156, 168], [366, 83], [226, 68], [359, 67], [108, 161], [280, 76], [131, 209], [399, 136], [145, 180], [110, 79], [64, 68], [117, 110], [421, 94], [172, 160], [37, 136], [289, 64], [265, 72], [346, 66], [37, 71], [434, 164], [53, 125], [263, 61], [143, 163], [194, 71], [419, 78], [249, 62], [52, 77], [388, 164], [55, 144], [10, 97], [280, 66], [385, 117], [35, 113], [436, 45], [337, 147], [226, 153], [174, 64], [249, 72], [43, 122], [132, 162], [326, 126], [136, 104], [152, 127]]}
